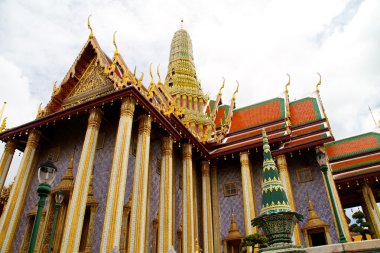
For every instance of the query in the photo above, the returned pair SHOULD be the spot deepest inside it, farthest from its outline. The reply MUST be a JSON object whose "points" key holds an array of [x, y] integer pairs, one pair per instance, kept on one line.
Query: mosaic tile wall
{"points": [[198, 195], [230, 171], [177, 165], [315, 188], [257, 167], [154, 184], [67, 145]]}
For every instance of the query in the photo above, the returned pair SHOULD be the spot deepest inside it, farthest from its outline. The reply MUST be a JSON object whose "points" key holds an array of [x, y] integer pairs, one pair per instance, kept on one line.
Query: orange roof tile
{"points": [[221, 114], [362, 161], [302, 141], [255, 132], [305, 130], [257, 114], [353, 146], [304, 110]]}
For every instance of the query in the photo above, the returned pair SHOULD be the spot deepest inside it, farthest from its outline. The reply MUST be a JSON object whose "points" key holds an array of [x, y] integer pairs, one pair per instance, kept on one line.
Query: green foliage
{"points": [[360, 226], [253, 240]]}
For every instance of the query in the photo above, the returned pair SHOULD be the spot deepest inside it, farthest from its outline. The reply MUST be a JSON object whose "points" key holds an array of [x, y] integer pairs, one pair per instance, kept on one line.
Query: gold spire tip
{"points": [[287, 85], [114, 43], [150, 73], [319, 82], [181, 26], [134, 71], [158, 73], [89, 26]]}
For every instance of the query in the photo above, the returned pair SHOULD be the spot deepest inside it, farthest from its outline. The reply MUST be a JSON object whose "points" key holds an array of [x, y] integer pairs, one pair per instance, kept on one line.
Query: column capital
{"points": [[187, 150], [10, 146], [281, 161], [127, 106], [244, 158], [145, 124], [34, 137], [95, 118], [205, 165], [167, 145]]}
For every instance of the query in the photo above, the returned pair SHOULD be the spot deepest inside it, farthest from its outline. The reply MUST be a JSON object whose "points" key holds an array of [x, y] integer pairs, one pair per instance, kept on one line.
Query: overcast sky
{"points": [[254, 42]]}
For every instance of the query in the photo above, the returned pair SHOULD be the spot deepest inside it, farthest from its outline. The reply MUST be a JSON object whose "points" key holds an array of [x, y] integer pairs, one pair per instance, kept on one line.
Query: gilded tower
{"points": [[184, 86]]}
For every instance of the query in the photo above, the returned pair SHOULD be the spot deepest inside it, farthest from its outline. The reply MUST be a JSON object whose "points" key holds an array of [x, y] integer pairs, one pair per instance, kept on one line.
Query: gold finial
{"points": [[319, 82], [114, 43], [158, 73], [181, 26], [3, 124], [89, 27], [151, 75], [134, 71], [40, 111], [236, 91], [55, 87], [370, 111], [197, 248], [287, 85], [2, 109], [220, 90]]}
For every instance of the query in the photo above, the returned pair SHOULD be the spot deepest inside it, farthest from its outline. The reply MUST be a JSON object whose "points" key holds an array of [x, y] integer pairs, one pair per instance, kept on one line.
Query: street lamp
{"points": [[46, 175], [322, 161], [58, 203]]}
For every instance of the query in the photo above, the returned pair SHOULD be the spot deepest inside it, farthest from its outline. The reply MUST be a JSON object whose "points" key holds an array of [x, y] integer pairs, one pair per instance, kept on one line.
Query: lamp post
{"points": [[58, 203], [322, 161], [46, 175]]}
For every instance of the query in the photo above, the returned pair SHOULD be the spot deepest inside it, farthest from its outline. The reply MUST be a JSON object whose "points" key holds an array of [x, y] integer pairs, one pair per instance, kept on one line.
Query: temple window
{"points": [[230, 189], [304, 175]]}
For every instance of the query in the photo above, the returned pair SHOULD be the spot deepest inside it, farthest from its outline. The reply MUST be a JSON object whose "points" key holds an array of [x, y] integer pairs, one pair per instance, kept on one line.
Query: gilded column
{"points": [[372, 209], [119, 170], [336, 200], [140, 187], [215, 207], [77, 207], [12, 214], [188, 221], [165, 218], [249, 206], [208, 245], [284, 174], [6, 160]]}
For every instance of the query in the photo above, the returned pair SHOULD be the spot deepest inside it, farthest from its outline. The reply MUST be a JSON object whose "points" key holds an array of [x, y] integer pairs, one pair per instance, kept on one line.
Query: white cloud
{"points": [[255, 42]]}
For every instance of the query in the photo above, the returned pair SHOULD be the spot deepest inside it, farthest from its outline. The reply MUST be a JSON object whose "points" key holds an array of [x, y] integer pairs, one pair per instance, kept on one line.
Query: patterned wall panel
{"points": [[315, 188], [177, 165], [102, 169], [256, 159], [67, 143], [230, 171], [154, 184]]}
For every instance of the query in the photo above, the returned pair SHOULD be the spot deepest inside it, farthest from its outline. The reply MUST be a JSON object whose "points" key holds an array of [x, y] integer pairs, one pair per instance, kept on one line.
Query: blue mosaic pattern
{"points": [[316, 190], [230, 171]]}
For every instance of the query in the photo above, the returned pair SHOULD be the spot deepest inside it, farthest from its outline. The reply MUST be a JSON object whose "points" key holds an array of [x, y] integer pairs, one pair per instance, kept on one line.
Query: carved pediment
{"points": [[93, 83]]}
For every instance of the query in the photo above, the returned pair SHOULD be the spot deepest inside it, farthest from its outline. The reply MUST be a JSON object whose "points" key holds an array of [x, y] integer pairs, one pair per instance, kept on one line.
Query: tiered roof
{"points": [[96, 80], [354, 156]]}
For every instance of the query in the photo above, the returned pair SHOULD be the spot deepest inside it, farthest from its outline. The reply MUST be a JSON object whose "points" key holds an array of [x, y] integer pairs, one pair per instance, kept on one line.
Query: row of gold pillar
{"points": [[117, 183]]}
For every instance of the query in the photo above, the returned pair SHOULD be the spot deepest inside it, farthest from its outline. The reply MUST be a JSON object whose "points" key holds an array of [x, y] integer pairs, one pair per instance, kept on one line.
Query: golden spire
{"points": [[89, 27], [287, 85], [114, 43], [151, 75], [220, 90], [2, 110], [319, 82], [3, 124], [313, 220], [181, 26], [234, 232], [158, 74], [40, 111], [134, 71], [236, 91]]}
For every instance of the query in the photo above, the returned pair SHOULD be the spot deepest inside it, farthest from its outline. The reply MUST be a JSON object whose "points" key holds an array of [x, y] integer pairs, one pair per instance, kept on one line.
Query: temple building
{"points": [[142, 168]]}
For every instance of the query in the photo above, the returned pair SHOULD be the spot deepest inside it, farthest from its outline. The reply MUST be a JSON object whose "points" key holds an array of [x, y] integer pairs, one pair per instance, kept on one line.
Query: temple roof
{"points": [[354, 156], [97, 80]]}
